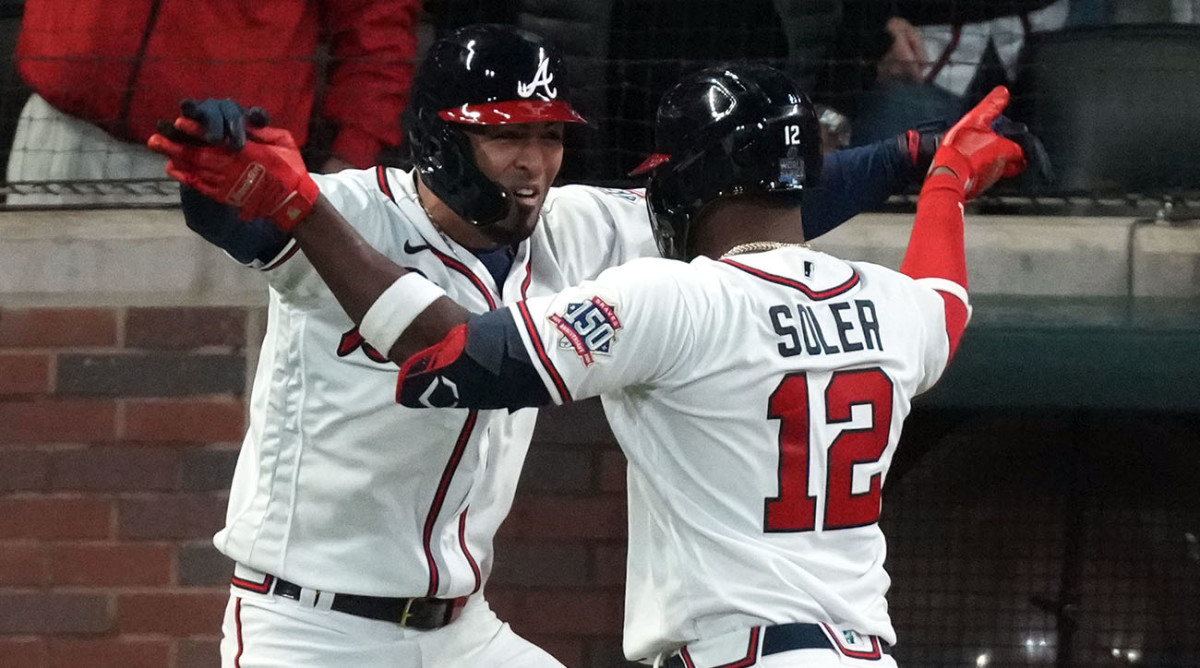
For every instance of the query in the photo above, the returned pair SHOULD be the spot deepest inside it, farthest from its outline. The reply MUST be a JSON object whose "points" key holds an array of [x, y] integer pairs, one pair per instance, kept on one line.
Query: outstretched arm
{"points": [[397, 310], [971, 158], [267, 180], [858, 179]]}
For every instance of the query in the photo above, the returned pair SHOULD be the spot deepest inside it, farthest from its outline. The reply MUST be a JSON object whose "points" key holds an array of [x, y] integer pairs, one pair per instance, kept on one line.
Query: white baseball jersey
{"points": [[339, 489], [759, 400]]}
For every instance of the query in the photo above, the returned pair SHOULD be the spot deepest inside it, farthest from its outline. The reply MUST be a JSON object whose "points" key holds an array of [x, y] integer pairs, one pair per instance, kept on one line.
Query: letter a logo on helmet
{"points": [[480, 75], [543, 77]]}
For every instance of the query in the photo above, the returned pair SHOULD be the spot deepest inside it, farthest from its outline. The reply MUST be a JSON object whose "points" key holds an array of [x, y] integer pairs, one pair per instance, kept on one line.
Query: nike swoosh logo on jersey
{"points": [[413, 250]]}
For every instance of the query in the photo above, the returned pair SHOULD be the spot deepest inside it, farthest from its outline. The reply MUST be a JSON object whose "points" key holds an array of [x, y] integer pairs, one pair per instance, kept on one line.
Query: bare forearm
{"points": [[357, 275], [355, 272]]}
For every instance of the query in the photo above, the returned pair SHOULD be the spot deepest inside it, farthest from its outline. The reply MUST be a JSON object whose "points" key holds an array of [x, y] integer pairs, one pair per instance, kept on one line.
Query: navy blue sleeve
{"points": [[491, 370], [856, 180], [244, 240]]}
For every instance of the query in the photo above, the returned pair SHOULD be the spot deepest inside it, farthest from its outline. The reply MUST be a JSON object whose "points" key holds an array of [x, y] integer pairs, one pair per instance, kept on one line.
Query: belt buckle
{"points": [[407, 612]]}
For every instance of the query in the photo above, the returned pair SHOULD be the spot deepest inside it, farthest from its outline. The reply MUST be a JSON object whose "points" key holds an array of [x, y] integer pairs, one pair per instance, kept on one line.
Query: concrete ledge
{"points": [[1010, 255], [1166, 261], [142, 257], [147, 257]]}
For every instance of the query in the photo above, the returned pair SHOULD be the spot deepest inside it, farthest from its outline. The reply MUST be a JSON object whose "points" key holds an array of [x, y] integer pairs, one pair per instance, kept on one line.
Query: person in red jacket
{"points": [[104, 71]]}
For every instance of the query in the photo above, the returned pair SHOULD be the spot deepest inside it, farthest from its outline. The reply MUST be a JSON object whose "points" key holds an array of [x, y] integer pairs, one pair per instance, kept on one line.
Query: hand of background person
{"points": [[224, 120], [906, 59]]}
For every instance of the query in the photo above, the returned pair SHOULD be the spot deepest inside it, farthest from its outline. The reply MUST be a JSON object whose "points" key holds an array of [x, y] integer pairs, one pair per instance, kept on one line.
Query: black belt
{"points": [[787, 637], [423, 614]]}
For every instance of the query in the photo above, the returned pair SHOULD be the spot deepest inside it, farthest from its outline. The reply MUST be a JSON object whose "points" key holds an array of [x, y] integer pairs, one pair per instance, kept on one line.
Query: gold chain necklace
{"points": [[450, 243], [759, 247]]}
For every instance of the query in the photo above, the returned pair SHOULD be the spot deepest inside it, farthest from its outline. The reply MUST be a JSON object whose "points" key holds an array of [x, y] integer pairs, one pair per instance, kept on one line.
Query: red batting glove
{"points": [[266, 179], [977, 154]]}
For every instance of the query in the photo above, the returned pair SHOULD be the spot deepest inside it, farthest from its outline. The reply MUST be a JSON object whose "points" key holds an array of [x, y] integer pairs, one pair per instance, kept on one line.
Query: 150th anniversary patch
{"points": [[589, 327]]}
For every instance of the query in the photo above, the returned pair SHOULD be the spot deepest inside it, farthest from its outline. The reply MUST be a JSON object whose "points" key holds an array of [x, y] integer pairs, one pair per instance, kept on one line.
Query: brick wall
{"points": [[119, 430]]}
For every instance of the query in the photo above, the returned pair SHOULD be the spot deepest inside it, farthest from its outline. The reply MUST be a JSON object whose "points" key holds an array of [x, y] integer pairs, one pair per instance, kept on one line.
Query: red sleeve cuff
{"points": [[949, 157]]}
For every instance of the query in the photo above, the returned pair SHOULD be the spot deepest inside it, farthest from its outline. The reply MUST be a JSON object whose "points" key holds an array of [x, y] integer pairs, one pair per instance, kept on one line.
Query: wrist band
{"points": [[396, 309]]}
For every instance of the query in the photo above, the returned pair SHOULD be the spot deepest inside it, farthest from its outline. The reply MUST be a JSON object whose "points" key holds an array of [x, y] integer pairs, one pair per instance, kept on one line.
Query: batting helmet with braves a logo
{"points": [[479, 75], [727, 131]]}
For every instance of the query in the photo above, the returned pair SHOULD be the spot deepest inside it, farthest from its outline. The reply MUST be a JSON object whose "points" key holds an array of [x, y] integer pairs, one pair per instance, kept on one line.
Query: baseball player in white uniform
{"points": [[758, 391], [343, 503]]}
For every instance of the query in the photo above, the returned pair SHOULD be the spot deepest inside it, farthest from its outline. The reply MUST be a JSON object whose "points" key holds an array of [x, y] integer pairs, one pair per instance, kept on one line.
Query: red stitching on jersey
{"points": [[787, 282], [451, 466], [462, 541], [381, 177], [256, 587], [462, 269], [873, 655], [528, 276], [237, 620], [559, 384], [687, 658]]}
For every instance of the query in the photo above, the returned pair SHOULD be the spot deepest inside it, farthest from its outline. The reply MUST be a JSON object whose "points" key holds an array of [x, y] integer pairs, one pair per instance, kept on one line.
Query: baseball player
{"points": [[362, 532], [758, 390]]}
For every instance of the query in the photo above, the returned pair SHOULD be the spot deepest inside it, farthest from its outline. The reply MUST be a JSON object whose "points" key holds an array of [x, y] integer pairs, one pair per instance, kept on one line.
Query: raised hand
{"points": [[975, 152], [265, 179]]}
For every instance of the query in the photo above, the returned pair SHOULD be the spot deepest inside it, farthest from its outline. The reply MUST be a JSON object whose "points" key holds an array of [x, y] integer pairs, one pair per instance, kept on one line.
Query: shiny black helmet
{"points": [[479, 75], [725, 131]]}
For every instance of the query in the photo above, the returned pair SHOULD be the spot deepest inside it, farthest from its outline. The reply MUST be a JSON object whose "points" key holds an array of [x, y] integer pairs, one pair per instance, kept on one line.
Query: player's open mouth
{"points": [[526, 195]]}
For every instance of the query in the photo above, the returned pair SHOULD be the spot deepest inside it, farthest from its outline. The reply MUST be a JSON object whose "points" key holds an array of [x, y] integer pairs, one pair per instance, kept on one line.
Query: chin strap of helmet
{"points": [[445, 162]]}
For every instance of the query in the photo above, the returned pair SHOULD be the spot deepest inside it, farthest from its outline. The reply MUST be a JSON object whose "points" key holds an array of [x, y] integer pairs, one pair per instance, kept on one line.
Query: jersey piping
{"points": [[381, 177], [528, 278], [536, 339], [463, 437], [465, 271], [819, 295], [443, 486], [462, 541], [256, 587], [748, 660]]}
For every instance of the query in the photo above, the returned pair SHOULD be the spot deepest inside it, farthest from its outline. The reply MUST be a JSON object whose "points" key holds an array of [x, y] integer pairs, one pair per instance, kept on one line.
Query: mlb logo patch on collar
{"points": [[589, 327]]}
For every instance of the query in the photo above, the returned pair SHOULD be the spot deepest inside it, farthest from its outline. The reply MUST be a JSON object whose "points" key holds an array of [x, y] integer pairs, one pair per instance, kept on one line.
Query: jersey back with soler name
{"points": [[759, 400]]}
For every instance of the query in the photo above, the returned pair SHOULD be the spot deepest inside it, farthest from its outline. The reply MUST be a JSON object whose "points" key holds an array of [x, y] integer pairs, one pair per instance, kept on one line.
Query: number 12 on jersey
{"points": [[795, 509]]}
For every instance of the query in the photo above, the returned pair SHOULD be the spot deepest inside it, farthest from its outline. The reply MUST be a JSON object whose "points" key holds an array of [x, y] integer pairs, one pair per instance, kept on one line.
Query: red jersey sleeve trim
{"points": [[560, 385], [957, 315]]}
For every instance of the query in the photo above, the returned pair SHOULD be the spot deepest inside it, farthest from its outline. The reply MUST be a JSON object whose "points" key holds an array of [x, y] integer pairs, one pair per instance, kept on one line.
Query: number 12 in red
{"points": [[795, 509]]}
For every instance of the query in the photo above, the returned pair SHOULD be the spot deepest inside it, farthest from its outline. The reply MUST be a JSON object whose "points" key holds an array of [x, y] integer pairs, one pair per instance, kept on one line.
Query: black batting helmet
{"points": [[479, 75], [726, 131]]}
